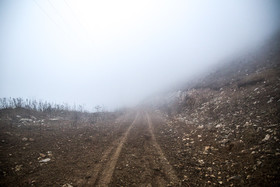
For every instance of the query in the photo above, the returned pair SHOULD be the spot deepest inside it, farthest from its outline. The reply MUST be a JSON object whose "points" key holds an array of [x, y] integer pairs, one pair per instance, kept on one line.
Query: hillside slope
{"points": [[224, 128]]}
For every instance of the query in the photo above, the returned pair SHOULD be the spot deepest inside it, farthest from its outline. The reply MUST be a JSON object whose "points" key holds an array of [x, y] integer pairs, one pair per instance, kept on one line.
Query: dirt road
{"points": [[121, 152], [134, 159], [139, 148]]}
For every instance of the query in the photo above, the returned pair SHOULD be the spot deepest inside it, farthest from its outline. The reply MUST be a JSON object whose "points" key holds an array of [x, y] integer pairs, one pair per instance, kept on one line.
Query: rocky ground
{"points": [[224, 129], [227, 137]]}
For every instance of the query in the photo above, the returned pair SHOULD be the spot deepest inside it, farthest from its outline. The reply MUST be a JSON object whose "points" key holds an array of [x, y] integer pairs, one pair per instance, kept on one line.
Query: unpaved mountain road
{"points": [[134, 159], [140, 148], [122, 151]]}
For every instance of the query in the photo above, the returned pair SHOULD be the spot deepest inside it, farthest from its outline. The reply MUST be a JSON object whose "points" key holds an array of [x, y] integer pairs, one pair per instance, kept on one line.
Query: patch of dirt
{"points": [[73, 152]]}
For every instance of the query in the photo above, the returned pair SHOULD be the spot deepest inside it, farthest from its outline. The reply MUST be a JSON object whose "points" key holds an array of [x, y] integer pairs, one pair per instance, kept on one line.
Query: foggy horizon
{"points": [[115, 54]]}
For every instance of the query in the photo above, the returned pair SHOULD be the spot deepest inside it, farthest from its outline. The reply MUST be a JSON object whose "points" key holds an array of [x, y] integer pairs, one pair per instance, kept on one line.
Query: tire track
{"points": [[98, 167], [103, 171], [168, 170]]}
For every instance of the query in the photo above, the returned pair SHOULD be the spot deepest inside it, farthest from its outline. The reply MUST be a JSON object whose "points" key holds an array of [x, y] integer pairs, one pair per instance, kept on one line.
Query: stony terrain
{"points": [[225, 128], [229, 136]]}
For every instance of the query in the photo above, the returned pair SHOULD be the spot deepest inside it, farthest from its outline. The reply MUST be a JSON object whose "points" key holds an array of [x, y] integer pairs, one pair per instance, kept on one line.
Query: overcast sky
{"points": [[116, 53]]}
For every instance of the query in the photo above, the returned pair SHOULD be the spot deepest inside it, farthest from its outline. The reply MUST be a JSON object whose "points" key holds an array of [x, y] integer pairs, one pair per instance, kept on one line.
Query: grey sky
{"points": [[116, 53]]}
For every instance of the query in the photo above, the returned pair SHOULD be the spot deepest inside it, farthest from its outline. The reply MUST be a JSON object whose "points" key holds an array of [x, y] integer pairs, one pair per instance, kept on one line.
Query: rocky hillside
{"points": [[225, 127]]}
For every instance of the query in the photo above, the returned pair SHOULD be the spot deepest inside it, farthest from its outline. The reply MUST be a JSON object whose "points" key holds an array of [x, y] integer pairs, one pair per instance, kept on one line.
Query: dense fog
{"points": [[117, 53]]}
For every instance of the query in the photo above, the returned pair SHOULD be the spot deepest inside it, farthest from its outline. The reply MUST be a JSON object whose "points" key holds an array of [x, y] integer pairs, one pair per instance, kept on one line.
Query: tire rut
{"points": [[142, 160], [103, 171], [167, 168]]}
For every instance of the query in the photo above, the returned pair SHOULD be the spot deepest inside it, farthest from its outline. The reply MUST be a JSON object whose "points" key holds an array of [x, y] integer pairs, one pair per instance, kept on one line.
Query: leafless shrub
{"points": [[41, 106]]}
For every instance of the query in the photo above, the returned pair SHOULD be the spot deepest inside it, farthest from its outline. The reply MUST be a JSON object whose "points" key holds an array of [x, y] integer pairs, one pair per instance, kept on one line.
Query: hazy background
{"points": [[116, 53]]}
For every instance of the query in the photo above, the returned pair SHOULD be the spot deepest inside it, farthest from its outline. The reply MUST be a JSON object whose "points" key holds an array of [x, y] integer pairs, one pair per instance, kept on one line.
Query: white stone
{"points": [[45, 160], [266, 137], [218, 126]]}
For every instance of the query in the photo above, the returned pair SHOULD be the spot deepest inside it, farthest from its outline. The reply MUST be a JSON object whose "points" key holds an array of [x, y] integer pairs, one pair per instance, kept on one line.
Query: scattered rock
{"points": [[270, 100], [67, 185], [42, 155], [201, 162], [236, 177], [247, 124], [49, 153], [266, 137], [218, 126], [18, 168], [25, 120], [45, 160]]}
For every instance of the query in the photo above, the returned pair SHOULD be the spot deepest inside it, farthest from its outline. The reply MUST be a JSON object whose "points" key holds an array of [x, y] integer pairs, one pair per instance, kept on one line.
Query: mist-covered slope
{"points": [[225, 127]]}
